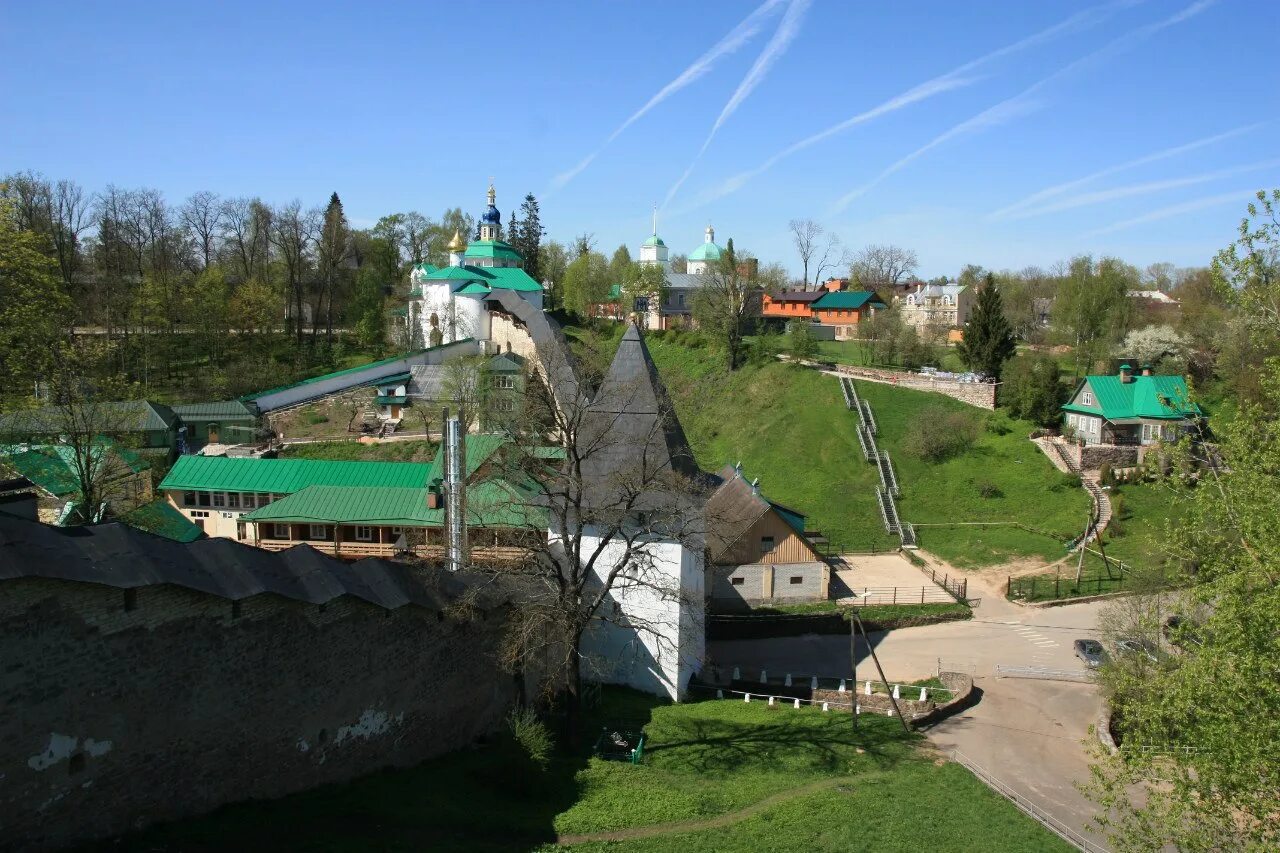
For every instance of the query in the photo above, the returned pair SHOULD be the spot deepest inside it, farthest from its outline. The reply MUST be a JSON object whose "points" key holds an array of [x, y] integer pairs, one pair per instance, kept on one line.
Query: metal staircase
{"points": [[868, 419], [888, 479], [888, 512], [888, 488]]}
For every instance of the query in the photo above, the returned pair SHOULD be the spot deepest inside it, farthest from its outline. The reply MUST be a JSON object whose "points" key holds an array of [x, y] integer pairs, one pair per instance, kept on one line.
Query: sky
{"points": [[1003, 134]]}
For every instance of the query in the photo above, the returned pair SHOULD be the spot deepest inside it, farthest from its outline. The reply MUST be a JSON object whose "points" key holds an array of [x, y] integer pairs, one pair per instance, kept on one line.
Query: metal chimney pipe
{"points": [[455, 504]]}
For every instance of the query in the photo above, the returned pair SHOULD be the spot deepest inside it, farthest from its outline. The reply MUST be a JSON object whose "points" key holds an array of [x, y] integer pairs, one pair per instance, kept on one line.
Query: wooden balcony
{"points": [[359, 550]]}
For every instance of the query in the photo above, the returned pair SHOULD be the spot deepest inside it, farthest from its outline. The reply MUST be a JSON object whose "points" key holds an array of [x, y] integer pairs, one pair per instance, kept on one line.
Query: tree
{"points": [[202, 216], [805, 234], [800, 340], [293, 233], [988, 341], [879, 337], [773, 278], [335, 257], [721, 305], [553, 260], [526, 233], [882, 267], [680, 263], [1031, 390], [645, 282], [586, 283], [35, 309], [620, 265], [1160, 346], [1200, 730], [583, 244], [1093, 306]]}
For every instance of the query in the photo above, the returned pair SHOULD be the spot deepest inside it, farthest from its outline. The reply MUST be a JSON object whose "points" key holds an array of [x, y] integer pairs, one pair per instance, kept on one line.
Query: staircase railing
{"points": [[888, 512], [868, 419], [888, 479]]}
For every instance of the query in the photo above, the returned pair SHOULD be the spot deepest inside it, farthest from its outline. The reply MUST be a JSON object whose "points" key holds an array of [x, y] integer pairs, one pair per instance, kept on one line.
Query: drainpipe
{"points": [[454, 507]]}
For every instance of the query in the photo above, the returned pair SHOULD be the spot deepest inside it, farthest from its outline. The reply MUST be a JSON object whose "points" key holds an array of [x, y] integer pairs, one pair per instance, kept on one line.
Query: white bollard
{"points": [[895, 692], [796, 705], [825, 707], [786, 682], [719, 694], [889, 712], [813, 683], [857, 708], [764, 677], [841, 690], [746, 697], [867, 689], [770, 701], [924, 694], [737, 674]]}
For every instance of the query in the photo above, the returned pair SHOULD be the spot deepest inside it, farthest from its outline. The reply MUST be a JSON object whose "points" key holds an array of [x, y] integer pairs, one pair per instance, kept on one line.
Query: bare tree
{"points": [[619, 492], [805, 234], [293, 234], [832, 256], [247, 234], [722, 304], [202, 215], [881, 267]]}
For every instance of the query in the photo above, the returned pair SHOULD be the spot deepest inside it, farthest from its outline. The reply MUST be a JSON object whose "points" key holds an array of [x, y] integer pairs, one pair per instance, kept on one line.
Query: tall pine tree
{"points": [[525, 234], [988, 340]]}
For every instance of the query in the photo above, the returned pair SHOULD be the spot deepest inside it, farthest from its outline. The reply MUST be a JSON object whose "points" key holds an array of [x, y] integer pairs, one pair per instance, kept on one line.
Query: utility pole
{"points": [[897, 710]]}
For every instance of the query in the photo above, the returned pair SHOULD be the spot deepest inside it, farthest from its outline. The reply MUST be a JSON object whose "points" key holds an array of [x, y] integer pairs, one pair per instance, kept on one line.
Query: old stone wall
{"points": [[980, 394], [1091, 456], [128, 706]]}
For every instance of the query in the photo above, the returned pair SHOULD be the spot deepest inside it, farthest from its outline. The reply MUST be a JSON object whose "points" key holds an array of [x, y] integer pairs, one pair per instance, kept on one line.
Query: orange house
{"points": [[791, 304], [845, 309]]}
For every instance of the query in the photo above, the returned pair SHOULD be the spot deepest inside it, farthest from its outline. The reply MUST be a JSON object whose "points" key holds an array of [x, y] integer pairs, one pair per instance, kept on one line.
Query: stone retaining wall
{"points": [[979, 394], [1091, 456]]}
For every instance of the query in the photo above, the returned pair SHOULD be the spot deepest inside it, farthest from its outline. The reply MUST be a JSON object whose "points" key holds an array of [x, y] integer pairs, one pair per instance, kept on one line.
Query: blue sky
{"points": [[979, 120]]}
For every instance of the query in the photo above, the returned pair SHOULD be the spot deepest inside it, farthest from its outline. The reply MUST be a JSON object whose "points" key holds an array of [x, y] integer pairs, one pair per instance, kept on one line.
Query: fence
{"points": [[1028, 807], [1043, 588], [898, 595], [957, 587]]}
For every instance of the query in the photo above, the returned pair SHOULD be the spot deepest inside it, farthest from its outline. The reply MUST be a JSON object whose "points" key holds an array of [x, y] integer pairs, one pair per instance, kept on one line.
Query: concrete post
{"points": [[786, 682], [813, 683], [746, 697], [867, 689], [719, 694], [770, 701], [796, 705], [896, 694], [924, 694], [764, 677], [825, 707], [737, 674], [841, 690]]}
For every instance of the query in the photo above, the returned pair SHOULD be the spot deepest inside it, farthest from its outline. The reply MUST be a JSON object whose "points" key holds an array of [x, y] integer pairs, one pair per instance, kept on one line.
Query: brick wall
{"points": [[123, 708], [980, 394]]}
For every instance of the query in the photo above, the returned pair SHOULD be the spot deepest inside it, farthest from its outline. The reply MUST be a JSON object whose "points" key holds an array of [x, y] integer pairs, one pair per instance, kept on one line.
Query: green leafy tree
{"points": [[988, 341], [553, 260], [620, 265], [1031, 390], [1200, 729], [721, 305], [336, 260], [586, 282], [800, 340], [35, 310], [1093, 306]]}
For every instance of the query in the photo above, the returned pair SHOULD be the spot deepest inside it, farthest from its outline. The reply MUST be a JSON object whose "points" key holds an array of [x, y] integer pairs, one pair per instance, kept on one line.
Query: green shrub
{"points": [[937, 434], [1032, 391], [1106, 476], [988, 489], [998, 424], [314, 418], [1070, 481], [532, 735]]}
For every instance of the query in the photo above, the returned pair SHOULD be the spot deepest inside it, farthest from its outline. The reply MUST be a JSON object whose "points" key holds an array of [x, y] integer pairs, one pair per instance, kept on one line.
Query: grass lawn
{"points": [[1147, 510], [789, 427], [878, 613], [409, 450], [873, 789], [850, 352]]}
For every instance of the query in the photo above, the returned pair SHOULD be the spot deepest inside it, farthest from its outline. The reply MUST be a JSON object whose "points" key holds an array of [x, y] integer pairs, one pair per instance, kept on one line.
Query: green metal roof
{"points": [[794, 520], [474, 287], [357, 368], [390, 400], [706, 252], [161, 518], [655, 240], [125, 416], [507, 278], [1156, 397], [285, 476], [478, 448], [615, 291], [397, 379], [492, 503], [496, 249], [221, 410], [846, 299], [52, 467]]}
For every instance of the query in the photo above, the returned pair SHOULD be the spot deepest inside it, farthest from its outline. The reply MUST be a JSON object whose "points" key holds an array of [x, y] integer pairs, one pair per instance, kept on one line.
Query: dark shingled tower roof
{"points": [[632, 430]]}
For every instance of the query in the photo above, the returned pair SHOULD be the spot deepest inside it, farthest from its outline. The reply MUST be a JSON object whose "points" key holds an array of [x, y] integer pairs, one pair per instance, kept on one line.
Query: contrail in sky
{"points": [[1023, 103], [1058, 189], [1100, 196], [1242, 197], [736, 38], [773, 51], [953, 79]]}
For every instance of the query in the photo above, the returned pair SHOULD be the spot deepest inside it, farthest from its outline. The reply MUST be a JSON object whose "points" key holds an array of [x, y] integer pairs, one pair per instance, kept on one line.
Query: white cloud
{"points": [[773, 51], [1164, 154], [736, 38], [1100, 196], [1241, 197], [1023, 103]]}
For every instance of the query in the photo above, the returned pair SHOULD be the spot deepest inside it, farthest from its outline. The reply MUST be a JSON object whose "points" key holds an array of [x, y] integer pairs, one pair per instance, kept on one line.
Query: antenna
{"points": [[655, 219]]}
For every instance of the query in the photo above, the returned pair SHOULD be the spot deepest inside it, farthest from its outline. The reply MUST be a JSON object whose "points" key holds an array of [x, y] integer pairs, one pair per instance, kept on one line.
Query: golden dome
{"points": [[457, 244]]}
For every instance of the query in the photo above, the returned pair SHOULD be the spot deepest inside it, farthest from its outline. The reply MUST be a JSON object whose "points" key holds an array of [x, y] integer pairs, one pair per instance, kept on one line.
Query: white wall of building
{"points": [[661, 659]]}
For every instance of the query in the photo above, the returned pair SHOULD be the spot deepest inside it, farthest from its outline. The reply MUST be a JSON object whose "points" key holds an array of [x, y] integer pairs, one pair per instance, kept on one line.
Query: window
{"points": [[1086, 399], [318, 531], [1150, 432], [202, 498], [279, 531], [766, 544], [797, 579], [506, 405], [219, 499], [188, 498], [250, 500], [507, 382], [233, 500], [737, 581], [364, 533], [199, 513], [681, 296], [396, 531]]}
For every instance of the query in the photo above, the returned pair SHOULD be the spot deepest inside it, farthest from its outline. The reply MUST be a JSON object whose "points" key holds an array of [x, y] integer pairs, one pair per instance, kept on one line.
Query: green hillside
{"points": [[789, 427]]}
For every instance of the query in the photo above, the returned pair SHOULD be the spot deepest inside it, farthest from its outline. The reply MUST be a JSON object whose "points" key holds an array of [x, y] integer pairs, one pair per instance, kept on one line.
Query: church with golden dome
{"points": [[449, 302]]}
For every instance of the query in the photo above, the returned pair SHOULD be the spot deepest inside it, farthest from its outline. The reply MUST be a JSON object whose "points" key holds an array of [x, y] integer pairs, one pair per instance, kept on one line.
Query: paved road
{"points": [[1027, 733]]}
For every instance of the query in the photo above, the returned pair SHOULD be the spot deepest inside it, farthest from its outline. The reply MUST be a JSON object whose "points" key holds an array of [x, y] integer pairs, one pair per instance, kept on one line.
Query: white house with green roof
{"points": [[451, 303], [705, 256], [1128, 409]]}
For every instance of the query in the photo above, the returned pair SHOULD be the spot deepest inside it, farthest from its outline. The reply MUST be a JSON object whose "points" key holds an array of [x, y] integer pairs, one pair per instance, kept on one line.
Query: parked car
{"points": [[1181, 631], [1138, 647], [1090, 652]]}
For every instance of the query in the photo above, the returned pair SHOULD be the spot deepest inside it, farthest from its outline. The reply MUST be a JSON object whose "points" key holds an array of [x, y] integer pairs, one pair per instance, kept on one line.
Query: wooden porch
{"points": [[355, 542]]}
